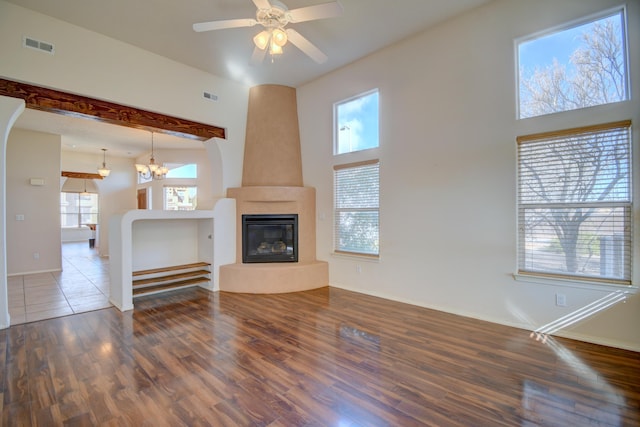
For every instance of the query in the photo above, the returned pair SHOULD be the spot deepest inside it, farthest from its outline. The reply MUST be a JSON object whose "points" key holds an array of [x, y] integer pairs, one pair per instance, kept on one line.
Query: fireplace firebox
{"points": [[270, 238]]}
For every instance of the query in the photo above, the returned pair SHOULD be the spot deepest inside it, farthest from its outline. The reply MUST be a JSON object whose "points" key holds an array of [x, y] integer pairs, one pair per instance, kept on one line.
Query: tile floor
{"points": [[82, 285]]}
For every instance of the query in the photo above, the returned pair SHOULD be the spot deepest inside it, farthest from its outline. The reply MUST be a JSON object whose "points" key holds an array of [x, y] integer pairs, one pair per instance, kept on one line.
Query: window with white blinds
{"points": [[357, 207], [574, 203]]}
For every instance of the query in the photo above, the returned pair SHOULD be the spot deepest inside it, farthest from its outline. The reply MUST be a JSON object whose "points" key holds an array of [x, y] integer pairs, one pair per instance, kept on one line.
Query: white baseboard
{"points": [[564, 334], [55, 270]]}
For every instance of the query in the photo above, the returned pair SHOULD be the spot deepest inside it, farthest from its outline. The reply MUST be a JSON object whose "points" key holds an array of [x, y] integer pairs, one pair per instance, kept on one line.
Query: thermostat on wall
{"points": [[36, 181]]}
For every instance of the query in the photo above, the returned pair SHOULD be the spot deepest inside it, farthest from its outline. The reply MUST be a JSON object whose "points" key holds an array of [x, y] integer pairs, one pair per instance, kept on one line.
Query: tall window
{"points": [[356, 123], [77, 209], [574, 203], [180, 198], [357, 207], [578, 66]]}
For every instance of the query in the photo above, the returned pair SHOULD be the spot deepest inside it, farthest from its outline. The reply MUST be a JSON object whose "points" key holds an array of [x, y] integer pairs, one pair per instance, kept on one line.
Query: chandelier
{"points": [[152, 170], [104, 171]]}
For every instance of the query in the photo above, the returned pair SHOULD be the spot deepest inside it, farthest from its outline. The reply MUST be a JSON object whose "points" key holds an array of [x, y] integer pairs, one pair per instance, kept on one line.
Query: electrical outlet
{"points": [[36, 255], [358, 269], [561, 300]]}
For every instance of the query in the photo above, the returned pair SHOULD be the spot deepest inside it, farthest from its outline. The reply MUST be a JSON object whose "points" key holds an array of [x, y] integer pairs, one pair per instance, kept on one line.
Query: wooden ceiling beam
{"points": [[81, 175], [54, 101]]}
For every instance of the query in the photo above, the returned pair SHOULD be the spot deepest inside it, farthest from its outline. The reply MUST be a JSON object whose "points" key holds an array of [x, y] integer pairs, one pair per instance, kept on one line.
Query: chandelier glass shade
{"points": [[104, 171], [151, 170]]}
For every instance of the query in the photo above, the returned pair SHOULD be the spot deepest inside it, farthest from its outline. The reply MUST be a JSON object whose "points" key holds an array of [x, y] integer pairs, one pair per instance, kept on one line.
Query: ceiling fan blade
{"points": [[319, 11], [306, 46], [222, 25], [262, 4], [258, 56]]}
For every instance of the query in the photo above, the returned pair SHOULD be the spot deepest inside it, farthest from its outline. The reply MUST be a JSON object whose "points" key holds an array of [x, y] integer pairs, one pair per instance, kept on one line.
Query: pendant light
{"points": [[104, 171], [85, 192]]}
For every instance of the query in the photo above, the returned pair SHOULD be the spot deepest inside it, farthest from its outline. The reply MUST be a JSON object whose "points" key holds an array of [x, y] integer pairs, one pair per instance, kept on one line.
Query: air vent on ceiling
{"points": [[39, 45], [210, 96]]}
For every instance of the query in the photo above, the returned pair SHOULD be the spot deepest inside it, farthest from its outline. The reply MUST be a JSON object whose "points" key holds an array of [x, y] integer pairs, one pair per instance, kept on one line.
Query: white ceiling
{"points": [[164, 27]]}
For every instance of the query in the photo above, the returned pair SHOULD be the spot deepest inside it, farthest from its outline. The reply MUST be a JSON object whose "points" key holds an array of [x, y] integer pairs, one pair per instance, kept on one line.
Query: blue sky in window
{"points": [[182, 171], [540, 52], [358, 123]]}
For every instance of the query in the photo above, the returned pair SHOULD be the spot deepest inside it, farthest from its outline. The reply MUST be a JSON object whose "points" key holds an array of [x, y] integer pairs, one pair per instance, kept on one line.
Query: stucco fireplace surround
{"points": [[272, 184]]}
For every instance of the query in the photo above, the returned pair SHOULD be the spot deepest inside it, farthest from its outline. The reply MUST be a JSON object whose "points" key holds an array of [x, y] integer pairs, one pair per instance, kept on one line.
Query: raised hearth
{"points": [[306, 273]]}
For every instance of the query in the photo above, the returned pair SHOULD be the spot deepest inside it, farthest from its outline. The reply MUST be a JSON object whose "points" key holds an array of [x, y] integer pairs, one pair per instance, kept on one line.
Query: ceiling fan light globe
{"points": [[279, 37], [274, 49], [261, 40]]}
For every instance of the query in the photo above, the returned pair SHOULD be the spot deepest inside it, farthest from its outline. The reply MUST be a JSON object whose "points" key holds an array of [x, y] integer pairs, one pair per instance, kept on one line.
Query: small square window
{"points": [[180, 198], [356, 123]]}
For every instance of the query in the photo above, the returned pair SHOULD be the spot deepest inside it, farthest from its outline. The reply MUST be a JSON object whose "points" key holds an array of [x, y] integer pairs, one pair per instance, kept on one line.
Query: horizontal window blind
{"points": [[356, 215], [574, 203]]}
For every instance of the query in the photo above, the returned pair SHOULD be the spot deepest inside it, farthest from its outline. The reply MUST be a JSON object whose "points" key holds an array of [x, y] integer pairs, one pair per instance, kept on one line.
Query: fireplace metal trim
{"points": [[269, 220]]}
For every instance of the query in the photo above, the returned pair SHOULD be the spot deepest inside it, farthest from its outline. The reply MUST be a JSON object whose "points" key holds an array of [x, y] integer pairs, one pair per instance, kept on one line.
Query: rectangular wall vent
{"points": [[210, 96], [39, 45]]}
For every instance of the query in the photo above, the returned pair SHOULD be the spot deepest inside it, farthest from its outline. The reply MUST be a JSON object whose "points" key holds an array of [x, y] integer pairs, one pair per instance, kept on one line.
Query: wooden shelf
{"points": [[172, 268], [169, 277], [187, 275]]}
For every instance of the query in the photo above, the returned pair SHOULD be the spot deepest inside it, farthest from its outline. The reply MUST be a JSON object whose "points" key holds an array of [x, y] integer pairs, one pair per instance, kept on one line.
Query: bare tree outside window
{"points": [[574, 201], [594, 73]]}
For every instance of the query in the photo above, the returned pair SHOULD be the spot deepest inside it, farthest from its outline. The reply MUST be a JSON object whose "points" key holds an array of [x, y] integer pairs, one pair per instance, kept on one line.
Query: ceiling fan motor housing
{"points": [[276, 16]]}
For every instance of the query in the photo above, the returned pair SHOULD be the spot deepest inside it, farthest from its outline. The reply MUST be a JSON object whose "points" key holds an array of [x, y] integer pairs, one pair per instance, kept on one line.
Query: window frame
{"points": [[164, 196], [553, 277], [337, 211], [172, 166], [337, 128], [566, 26], [78, 211]]}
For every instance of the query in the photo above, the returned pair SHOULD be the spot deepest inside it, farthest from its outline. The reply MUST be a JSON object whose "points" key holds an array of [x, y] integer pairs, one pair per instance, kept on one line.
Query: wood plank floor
{"points": [[326, 357]]}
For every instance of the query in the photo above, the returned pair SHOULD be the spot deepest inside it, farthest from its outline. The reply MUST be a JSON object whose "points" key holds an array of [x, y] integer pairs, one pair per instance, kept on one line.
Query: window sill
{"points": [[359, 257], [571, 283]]}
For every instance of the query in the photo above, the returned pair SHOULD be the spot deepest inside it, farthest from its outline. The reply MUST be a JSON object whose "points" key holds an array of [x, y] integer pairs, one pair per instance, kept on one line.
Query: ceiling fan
{"points": [[274, 17]]}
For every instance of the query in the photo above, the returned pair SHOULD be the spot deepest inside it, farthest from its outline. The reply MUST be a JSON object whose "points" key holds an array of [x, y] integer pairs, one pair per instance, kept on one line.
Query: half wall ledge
{"points": [[274, 278]]}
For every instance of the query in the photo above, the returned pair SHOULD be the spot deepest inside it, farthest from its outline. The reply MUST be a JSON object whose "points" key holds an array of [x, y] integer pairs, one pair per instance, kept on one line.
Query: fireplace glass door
{"points": [[270, 238]]}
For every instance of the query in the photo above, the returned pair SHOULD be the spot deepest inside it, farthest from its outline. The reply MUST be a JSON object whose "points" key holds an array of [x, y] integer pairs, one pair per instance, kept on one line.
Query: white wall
{"points": [[448, 169], [117, 192], [33, 244]]}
